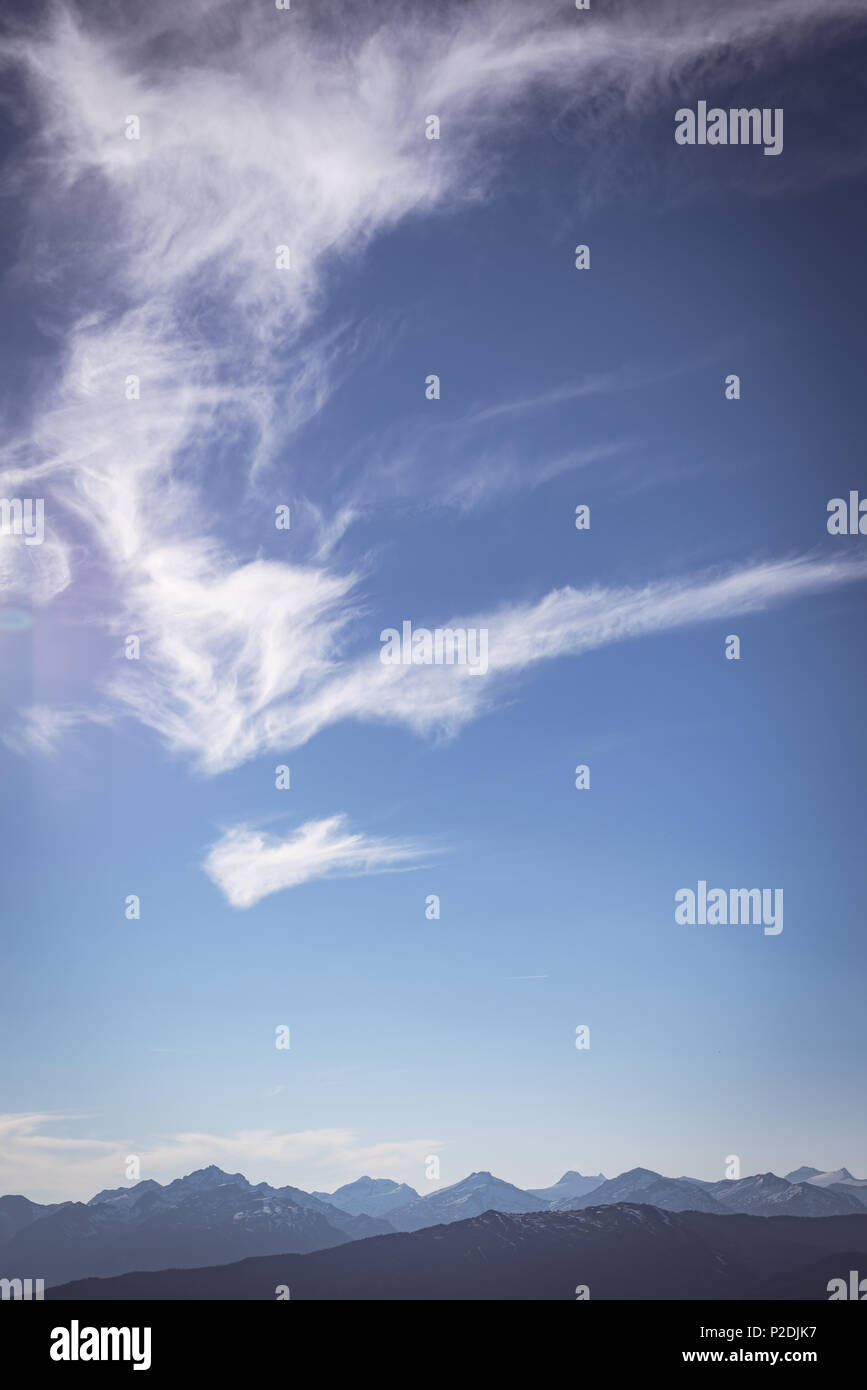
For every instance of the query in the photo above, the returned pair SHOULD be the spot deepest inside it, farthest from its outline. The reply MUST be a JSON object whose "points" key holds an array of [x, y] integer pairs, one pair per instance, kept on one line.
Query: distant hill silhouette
{"points": [[625, 1251]]}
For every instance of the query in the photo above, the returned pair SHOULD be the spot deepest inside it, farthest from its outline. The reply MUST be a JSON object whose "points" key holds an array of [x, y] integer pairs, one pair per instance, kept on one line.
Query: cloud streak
{"points": [[440, 700], [247, 865]]}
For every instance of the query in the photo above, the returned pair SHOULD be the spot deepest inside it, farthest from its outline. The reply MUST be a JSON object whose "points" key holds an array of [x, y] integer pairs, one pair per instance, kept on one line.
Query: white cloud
{"points": [[249, 665], [41, 728], [247, 865], [49, 1167], [34, 573], [157, 258], [46, 1167], [566, 622]]}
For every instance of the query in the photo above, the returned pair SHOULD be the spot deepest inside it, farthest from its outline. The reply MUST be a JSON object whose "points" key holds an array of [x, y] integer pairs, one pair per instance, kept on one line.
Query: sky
{"points": [[166, 387]]}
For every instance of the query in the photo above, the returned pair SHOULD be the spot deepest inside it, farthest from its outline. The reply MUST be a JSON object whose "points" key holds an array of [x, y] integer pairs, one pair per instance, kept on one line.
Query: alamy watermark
{"points": [[444, 646], [856, 1288], [23, 517], [22, 1289], [738, 126], [77, 1343], [847, 518], [730, 906]]}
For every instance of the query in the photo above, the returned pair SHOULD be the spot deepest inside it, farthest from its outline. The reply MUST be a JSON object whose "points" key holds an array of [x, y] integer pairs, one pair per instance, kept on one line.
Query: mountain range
{"points": [[212, 1218], [626, 1251], [209, 1217]]}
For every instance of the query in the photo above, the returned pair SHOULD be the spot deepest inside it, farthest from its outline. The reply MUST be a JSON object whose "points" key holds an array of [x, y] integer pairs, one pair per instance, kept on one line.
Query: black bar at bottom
{"points": [[228, 1338]]}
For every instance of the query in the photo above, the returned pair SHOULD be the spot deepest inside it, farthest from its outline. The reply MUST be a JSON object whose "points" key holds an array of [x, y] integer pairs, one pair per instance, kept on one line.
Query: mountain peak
{"points": [[838, 1175], [212, 1176], [368, 1184]]}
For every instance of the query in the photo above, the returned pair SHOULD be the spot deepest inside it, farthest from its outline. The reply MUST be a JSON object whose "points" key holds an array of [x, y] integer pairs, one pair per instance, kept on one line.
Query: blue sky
{"points": [[260, 647]]}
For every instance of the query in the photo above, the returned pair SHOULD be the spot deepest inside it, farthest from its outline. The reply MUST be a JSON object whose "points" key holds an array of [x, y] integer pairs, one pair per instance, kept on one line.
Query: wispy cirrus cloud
{"points": [[261, 128], [33, 574], [42, 728], [481, 456], [250, 665], [248, 865], [45, 1166], [221, 730]]}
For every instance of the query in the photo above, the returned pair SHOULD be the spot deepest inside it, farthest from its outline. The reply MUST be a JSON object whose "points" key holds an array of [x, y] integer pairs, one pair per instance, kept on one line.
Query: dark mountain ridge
{"points": [[625, 1251]]}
